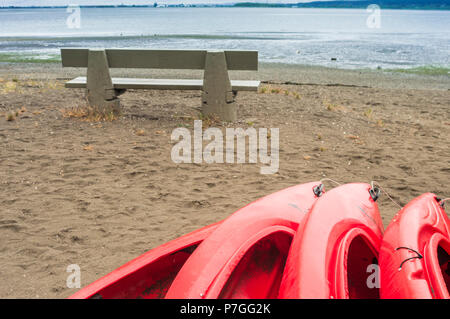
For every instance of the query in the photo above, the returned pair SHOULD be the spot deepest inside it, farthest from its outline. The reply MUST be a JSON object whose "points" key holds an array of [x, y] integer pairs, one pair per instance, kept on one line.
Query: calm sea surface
{"points": [[292, 35]]}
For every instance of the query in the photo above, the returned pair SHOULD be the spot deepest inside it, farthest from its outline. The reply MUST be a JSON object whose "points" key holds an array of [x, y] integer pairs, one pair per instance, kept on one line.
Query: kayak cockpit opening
{"points": [[151, 281], [360, 256], [444, 264], [259, 272]]}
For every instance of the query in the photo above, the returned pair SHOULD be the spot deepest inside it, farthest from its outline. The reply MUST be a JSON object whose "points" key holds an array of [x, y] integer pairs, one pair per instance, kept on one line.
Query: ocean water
{"points": [[327, 37]]}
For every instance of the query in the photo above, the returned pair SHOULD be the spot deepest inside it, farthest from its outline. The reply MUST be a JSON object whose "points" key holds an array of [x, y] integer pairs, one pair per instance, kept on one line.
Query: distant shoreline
{"points": [[309, 5], [423, 73], [427, 70]]}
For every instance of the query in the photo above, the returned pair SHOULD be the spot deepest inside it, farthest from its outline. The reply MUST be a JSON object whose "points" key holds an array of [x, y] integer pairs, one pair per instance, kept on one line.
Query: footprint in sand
{"points": [[11, 225]]}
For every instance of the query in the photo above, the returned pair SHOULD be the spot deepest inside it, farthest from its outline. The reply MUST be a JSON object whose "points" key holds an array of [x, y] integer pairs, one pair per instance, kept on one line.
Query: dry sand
{"points": [[100, 194]]}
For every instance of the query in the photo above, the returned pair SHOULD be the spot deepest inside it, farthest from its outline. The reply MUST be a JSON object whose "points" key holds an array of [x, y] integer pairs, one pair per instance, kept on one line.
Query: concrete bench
{"points": [[218, 92]]}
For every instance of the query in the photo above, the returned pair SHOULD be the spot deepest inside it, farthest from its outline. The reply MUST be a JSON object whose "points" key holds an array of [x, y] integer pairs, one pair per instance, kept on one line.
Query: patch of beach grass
{"points": [[275, 90], [333, 107], [380, 123], [29, 58], [368, 113], [209, 120], [33, 84], [423, 70], [11, 116], [88, 114], [16, 85], [53, 85], [9, 87]]}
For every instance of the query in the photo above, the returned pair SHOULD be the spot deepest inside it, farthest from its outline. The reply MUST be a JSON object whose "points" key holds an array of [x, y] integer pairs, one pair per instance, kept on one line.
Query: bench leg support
{"points": [[217, 96], [100, 90]]}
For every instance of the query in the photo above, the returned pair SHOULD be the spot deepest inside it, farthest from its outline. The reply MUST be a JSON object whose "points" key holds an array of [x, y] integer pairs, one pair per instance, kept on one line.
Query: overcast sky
{"points": [[111, 2]]}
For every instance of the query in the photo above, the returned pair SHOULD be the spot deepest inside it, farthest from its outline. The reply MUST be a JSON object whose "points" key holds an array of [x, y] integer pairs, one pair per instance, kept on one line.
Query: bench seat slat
{"points": [[160, 59], [163, 84]]}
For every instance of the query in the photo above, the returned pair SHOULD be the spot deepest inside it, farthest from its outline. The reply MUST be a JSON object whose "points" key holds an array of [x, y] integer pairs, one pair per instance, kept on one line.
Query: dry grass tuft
{"points": [[88, 114], [10, 116], [275, 90], [16, 85], [368, 113], [209, 120], [9, 87], [263, 90], [297, 96], [333, 107]]}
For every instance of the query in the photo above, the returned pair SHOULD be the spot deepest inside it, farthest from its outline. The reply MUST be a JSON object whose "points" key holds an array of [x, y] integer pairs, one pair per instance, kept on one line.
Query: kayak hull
{"points": [[149, 275], [245, 256], [414, 255], [339, 242]]}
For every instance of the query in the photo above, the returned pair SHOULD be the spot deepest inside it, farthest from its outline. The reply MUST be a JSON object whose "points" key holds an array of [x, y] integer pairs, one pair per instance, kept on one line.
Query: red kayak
{"points": [[245, 256], [151, 274], [414, 255], [333, 255]]}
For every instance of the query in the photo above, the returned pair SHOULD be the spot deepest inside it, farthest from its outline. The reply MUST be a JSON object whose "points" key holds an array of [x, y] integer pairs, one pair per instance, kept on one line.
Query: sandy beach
{"points": [[99, 194]]}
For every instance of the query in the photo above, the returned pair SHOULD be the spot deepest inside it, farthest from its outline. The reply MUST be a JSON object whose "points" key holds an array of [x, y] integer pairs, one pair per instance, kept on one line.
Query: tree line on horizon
{"points": [[344, 4], [349, 4]]}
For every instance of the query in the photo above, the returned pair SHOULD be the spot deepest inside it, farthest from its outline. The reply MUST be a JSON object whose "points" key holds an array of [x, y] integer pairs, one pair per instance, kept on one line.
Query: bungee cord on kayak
{"points": [[419, 256], [331, 180], [318, 190], [372, 183], [442, 202]]}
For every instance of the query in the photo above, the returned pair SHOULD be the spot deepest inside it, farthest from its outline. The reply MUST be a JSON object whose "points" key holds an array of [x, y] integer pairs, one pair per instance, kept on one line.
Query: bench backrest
{"points": [[161, 59]]}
